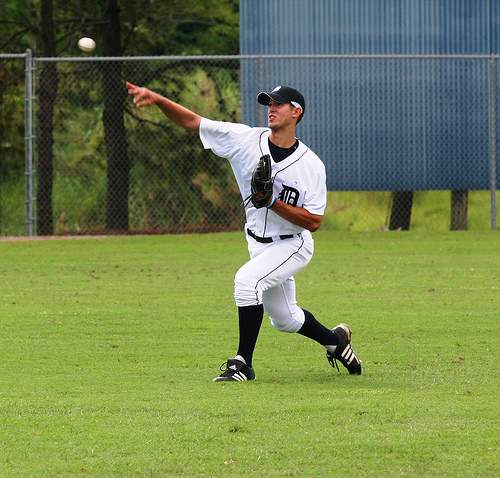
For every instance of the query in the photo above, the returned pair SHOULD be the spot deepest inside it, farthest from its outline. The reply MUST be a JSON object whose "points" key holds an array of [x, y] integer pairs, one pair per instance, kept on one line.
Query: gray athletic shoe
{"points": [[344, 352]]}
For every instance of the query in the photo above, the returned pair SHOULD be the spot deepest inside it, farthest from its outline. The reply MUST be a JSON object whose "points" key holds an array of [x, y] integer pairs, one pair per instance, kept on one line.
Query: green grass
{"points": [[108, 348], [12, 208], [369, 211]]}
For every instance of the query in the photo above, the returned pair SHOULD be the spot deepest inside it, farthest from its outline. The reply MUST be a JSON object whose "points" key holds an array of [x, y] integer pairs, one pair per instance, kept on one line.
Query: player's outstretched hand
{"points": [[142, 96]]}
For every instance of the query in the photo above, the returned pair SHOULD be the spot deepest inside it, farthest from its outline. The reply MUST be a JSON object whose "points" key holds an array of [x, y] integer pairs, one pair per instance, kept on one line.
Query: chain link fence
{"points": [[116, 168], [407, 142]]}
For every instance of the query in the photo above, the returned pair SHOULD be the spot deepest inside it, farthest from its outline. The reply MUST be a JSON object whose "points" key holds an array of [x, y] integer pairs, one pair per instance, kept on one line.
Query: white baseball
{"points": [[86, 44]]}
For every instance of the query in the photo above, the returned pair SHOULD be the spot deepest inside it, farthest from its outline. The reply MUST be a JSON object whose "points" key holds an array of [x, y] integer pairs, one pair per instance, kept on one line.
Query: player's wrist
{"points": [[157, 99], [272, 202]]}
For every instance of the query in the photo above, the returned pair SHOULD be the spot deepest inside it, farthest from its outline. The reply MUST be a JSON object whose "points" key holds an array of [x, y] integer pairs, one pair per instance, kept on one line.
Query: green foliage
{"points": [[108, 348], [12, 159], [11, 119], [204, 198], [181, 27], [174, 184], [15, 25], [12, 205], [80, 166], [149, 27]]}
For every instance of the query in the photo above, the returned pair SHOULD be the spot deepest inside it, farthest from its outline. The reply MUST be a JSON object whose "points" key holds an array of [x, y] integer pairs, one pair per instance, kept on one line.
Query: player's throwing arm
{"points": [[179, 114]]}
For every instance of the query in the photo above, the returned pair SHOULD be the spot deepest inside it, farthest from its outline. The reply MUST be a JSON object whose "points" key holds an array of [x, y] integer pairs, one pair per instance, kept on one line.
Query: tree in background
{"points": [[47, 94], [178, 26], [115, 136], [140, 27]]}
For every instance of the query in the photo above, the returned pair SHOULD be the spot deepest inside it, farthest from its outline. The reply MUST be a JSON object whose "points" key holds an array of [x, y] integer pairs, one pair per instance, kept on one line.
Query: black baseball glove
{"points": [[262, 183]]}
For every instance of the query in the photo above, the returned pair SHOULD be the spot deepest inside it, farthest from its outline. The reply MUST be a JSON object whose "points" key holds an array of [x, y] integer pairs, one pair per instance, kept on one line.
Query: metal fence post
{"points": [[28, 141], [492, 107]]}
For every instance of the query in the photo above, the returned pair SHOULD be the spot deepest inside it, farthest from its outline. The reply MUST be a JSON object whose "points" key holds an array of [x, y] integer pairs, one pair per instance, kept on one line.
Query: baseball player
{"points": [[284, 185]]}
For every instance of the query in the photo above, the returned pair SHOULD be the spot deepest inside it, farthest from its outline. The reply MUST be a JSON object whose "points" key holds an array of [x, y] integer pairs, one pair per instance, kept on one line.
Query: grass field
{"points": [[108, 347]]}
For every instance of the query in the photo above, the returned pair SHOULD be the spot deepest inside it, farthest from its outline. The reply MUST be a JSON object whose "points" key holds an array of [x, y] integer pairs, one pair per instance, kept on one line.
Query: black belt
{"points": [[267, 240]]}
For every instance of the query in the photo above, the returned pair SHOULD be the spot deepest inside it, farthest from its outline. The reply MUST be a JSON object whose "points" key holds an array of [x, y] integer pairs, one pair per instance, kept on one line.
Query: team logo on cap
{"points": [[277, 88]]}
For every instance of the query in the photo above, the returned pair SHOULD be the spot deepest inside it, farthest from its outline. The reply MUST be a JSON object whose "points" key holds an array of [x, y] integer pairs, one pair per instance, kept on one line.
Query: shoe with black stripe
{"points": [[344, 352], [235, 370]]}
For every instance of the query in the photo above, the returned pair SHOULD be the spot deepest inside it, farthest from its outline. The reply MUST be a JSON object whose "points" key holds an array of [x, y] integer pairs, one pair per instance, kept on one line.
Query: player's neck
{"points": [[283, 137]]}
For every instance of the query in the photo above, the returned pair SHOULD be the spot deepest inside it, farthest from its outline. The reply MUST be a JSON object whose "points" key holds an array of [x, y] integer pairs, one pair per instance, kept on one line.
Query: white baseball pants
{"points": [[267, 278]]}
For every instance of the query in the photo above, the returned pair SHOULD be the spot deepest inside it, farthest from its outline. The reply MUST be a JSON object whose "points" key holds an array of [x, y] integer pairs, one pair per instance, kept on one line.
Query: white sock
{"points": [[240, 358]]}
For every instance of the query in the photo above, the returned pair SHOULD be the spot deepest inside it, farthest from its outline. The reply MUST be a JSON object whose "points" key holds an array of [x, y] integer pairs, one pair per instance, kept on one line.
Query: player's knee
{"points": [[282, 325], [245, 291], [290, 321]]}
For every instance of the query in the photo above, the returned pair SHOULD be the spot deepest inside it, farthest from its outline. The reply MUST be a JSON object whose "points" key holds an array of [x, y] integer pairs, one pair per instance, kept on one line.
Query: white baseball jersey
{"points": [[299, 179]]}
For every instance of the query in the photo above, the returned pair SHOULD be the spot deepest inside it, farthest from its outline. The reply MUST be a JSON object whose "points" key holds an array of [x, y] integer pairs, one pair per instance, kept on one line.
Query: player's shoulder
{"points": [[229, 127], [312, 157]]}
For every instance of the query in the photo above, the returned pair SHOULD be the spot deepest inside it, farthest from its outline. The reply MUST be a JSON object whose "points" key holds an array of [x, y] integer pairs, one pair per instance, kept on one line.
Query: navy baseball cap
{"points": [[281, 95]]}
